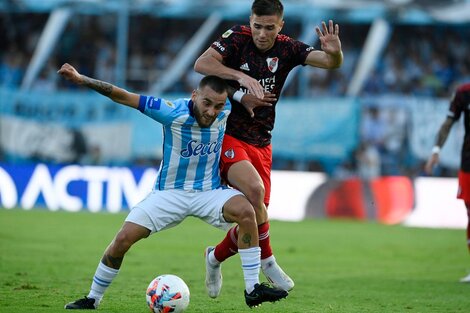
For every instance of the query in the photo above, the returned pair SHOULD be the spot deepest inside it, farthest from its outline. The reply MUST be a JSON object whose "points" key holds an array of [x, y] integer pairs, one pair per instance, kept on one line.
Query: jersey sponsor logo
{"points": [[267, 83], [229, 153], [195, 148], [169, 103], [272, 64], [227, 33], [245, 67], [219, 45]]}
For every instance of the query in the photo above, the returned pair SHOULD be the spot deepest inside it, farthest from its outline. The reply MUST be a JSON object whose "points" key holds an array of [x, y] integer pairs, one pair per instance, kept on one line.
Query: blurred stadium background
{"points": [[347, 142]]}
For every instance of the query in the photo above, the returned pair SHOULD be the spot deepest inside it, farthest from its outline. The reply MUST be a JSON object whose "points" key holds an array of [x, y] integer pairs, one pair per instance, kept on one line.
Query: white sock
{"points": [[251, 266], [212, 260], [265, 262], [104, 275]]}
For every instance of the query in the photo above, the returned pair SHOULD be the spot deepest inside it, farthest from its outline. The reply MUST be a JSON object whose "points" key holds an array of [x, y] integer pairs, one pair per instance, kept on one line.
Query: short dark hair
{"points": [[267, 7], [216, 83]]}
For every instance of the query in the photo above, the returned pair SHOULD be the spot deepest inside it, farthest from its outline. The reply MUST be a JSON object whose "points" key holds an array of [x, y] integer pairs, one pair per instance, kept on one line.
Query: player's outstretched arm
{"points": [[115, 93], [331, 55], [211, 63], [440, 140]]}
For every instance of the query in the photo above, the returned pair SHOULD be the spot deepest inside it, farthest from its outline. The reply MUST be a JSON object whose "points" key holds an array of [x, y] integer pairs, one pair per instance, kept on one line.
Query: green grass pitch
{"points": [[48, 259]]}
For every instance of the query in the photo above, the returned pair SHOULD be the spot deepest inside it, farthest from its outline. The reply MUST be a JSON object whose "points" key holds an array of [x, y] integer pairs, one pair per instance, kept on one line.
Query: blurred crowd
{"points": [[423, 60], [418, 60]]}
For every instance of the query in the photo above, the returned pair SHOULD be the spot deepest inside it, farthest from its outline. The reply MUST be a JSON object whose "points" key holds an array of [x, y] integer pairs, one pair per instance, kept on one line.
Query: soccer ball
{"points": [[167, 293]]}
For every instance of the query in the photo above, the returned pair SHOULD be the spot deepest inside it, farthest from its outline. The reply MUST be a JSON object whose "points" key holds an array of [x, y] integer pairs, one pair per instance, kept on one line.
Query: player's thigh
{"points": [[244, 176], [247, 168], [233, 151], [132, 232], [161, 209], [261, 158]]}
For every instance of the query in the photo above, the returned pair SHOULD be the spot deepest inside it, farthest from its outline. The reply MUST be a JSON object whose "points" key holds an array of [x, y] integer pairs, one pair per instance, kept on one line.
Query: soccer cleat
{"points": [[213, 276], [264, 293], [466, 279], [276, 276], [84, 303]]}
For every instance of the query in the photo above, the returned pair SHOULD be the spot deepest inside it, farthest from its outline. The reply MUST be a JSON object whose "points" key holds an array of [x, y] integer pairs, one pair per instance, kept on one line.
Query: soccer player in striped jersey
{"points": [[459, 105], [256, 59], [188, 182]]}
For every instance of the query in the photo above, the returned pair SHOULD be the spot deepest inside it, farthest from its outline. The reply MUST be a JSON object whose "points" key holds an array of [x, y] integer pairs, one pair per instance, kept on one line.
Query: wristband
{"points": [[436, 150], [237, 96]]}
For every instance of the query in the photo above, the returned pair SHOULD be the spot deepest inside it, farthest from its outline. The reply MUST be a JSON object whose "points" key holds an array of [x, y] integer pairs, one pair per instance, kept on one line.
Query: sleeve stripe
{"points": [[142, 103]]}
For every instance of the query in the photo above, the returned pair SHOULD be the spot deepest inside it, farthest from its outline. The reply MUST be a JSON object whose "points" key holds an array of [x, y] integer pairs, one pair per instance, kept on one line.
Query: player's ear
{"points": [[281, 25], [194, 95]]}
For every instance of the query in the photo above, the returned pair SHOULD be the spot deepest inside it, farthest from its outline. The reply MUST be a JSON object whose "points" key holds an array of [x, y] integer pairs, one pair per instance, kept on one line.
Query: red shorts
{"points": [[234, 150], [464, 186]]}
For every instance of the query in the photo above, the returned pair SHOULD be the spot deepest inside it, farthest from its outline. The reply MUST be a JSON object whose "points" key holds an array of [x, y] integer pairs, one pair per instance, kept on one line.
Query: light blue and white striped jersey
{"points": [[191, 154]]}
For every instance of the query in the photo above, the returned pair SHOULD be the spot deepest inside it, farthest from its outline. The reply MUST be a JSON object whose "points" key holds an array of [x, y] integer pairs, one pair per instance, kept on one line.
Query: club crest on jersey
{"points": [[169, 103], [227, 33], [229, 153], [272, 64]]}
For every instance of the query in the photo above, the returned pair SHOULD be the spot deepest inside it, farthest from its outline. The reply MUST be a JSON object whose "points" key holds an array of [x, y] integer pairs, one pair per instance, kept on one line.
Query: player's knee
{"points": [[246, 214], [255, 193], [122, 242]]}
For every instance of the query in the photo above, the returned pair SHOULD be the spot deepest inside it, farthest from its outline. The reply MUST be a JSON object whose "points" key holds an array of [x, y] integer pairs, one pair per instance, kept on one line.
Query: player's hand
{"points": [[251, 102], [432, 161], [329, 37], [70, 73], [252, 85]]}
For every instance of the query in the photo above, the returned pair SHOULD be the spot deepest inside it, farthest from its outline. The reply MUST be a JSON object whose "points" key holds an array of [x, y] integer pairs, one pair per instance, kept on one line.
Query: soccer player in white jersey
{"points": [[193, 132]]}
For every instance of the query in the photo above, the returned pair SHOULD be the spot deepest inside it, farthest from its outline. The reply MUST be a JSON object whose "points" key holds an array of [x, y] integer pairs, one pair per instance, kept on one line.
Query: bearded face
{"points": [[207, 105]]}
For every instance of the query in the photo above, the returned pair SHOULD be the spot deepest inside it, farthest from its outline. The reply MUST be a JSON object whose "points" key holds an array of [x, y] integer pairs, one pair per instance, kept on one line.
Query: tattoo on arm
{"points": [[112, 261], [102, 87], [247, 239]]}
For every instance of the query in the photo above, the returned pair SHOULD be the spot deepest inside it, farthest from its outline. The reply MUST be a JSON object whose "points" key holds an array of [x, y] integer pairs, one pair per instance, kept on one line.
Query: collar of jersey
{"points": [[190, 107]]}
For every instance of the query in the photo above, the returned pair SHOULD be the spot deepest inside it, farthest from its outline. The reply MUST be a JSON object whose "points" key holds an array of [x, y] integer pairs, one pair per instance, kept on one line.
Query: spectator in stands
{"points": [[12, 68], [372, 130], [368, 161], [78, 145], [394, 138], [47, 79]]}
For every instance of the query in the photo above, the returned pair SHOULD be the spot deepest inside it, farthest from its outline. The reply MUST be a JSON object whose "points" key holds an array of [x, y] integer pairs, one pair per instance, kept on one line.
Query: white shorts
{"points": [[163, 209]]}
